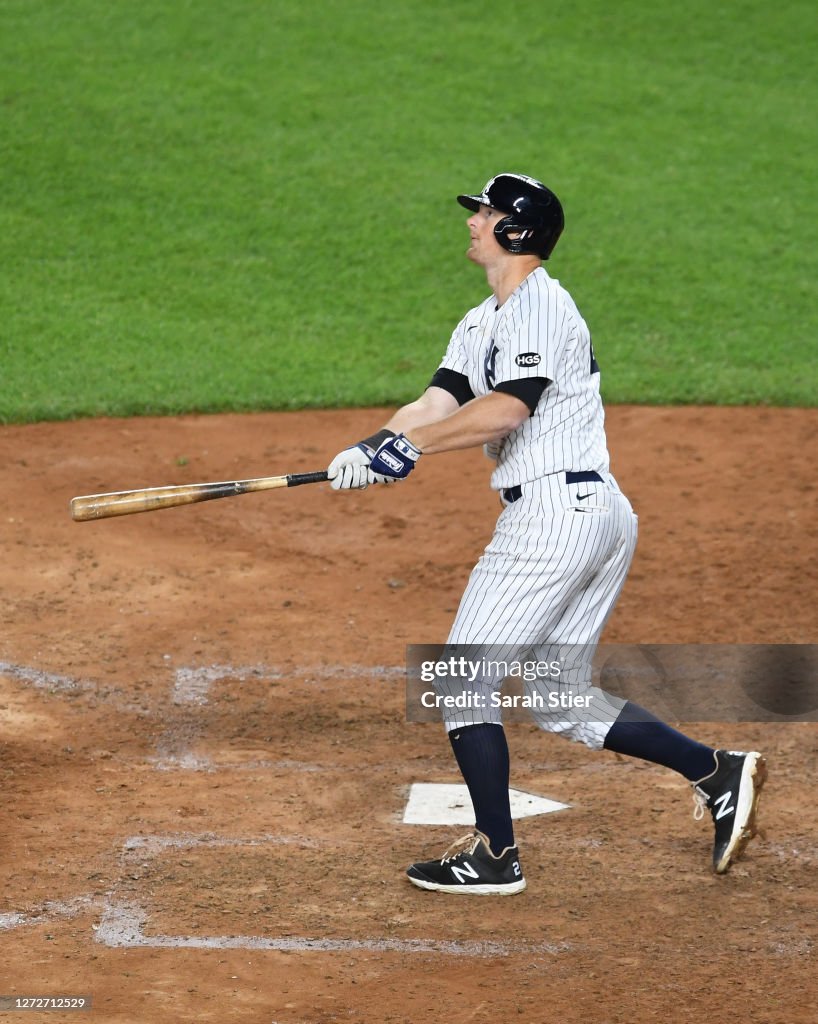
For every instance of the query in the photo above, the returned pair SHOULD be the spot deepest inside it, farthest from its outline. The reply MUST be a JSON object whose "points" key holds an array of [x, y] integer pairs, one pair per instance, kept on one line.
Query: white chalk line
{"points": [[154, 845], [134, 849], [122, 923], [192, 687], [186, 761], [51, 910], [62, 685], [137, 848], [190, 692]]}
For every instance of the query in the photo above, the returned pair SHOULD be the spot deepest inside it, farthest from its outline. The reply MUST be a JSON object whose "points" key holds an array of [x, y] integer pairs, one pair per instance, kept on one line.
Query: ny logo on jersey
{"points": [[490, 366]]}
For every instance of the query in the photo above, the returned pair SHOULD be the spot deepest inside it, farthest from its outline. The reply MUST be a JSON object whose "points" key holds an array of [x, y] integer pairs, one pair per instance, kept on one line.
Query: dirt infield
{"points": [[205, 758]]}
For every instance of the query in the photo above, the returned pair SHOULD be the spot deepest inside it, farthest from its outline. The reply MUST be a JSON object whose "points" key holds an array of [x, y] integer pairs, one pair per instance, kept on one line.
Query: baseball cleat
{"points": [[731, 794], [469, 866]]}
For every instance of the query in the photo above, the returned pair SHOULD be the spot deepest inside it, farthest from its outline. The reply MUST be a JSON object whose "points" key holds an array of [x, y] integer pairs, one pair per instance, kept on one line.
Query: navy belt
{"points": [[585, 477], [511, 494]]}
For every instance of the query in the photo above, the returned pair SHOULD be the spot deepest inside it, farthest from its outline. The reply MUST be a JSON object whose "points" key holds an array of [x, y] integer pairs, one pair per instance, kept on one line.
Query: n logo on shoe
{"points": [[721, 802], [467, 871]]}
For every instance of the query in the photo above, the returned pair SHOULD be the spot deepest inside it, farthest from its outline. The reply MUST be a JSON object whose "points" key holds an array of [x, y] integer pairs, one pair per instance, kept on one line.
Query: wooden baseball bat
{"points": [[124, 503]]}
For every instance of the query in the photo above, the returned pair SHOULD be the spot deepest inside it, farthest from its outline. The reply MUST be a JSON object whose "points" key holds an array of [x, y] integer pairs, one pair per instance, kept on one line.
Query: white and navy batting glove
{"points": [[349, 470], [395, 458]]}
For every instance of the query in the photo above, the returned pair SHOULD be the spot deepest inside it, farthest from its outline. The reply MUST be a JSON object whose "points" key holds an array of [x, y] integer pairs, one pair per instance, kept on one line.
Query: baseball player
{"points": [[520, 377]]}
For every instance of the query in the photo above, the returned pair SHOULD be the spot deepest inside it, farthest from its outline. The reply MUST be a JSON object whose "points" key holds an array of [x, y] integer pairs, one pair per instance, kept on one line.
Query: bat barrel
{"points": [[124, 503]]}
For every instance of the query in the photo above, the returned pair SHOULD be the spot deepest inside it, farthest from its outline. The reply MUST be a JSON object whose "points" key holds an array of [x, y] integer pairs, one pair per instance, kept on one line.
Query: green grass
{"points": [[211, 206]]}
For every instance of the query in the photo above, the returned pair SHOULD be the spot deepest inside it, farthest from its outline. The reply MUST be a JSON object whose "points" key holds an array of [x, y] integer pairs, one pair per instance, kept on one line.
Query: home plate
{"points": [[432, 803]]}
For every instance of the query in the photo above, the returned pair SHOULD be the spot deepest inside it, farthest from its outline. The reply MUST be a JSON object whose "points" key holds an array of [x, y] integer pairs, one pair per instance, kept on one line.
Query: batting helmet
{"points": [[534, 213]]}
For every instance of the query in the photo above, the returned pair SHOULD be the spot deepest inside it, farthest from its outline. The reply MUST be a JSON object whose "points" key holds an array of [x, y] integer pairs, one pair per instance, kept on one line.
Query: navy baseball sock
{"points": [[482, 755], [638, 733]]}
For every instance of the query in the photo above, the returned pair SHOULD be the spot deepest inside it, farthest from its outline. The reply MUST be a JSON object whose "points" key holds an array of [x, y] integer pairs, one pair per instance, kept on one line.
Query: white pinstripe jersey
{"points": [[537, 332]]}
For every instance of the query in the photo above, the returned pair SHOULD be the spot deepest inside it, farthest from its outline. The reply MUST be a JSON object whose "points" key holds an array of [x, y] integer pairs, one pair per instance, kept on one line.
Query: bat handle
{"points": [[294, 479]]}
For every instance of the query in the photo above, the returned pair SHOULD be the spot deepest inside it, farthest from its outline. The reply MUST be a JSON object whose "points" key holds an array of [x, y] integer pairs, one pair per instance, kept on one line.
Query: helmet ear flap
{"points": [[503, 228]]}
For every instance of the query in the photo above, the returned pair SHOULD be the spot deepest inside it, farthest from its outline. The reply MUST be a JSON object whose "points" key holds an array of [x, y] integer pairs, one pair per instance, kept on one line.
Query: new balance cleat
{"points": [[469, 866], [731, 794]]}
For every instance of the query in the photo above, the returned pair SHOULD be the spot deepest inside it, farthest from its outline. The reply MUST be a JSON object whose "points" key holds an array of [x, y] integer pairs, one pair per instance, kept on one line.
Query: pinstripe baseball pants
{"points": [[542, 590]]}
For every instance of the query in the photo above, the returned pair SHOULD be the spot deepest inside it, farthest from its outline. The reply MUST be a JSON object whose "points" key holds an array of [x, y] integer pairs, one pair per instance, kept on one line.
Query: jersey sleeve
{"points": [[455, 358], [452, 374], [532, 336]]}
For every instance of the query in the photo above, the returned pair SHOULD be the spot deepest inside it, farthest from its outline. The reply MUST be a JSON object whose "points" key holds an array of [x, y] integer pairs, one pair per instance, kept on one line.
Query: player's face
{"points": [[484, 247]]}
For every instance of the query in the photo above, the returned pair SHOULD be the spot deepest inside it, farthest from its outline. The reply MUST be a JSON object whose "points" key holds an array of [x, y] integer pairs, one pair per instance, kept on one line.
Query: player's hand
{"points": [[349, 470], [395, 458]]}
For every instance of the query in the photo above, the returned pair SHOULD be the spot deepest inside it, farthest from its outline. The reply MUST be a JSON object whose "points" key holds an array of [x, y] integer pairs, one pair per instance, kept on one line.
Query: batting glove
{"points": [[349, 470], [396, 457]]}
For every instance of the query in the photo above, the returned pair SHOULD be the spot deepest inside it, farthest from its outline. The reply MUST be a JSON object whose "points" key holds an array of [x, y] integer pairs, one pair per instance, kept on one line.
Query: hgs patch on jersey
{"points": [[528, 359]]}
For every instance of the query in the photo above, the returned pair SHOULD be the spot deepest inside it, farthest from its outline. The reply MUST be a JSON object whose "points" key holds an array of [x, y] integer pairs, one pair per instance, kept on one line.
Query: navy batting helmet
{"points": [[534, 213]]}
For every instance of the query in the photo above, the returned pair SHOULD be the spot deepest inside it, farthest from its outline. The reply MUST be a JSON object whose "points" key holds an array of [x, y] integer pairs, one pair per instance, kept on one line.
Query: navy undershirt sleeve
{"points": [[528, 390], [457, 384]]}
